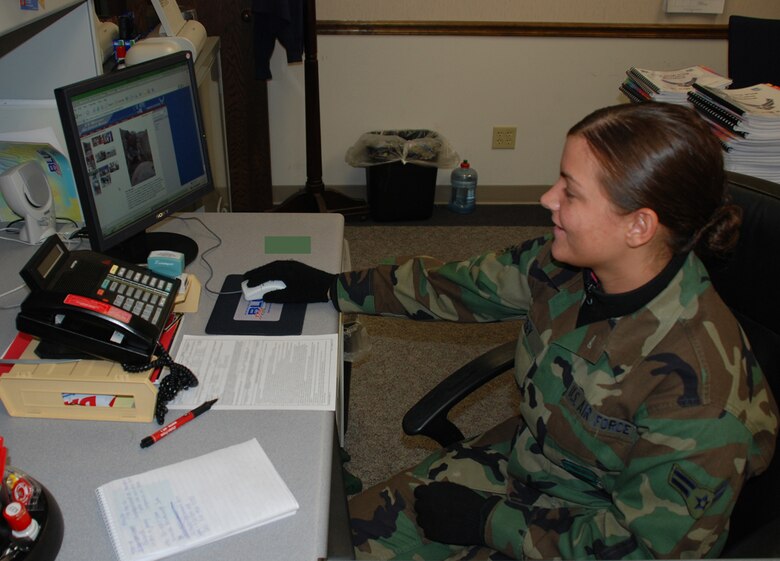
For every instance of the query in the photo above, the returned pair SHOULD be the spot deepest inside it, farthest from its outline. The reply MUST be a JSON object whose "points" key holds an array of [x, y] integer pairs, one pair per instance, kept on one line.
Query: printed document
{"points": [[295, 372]]}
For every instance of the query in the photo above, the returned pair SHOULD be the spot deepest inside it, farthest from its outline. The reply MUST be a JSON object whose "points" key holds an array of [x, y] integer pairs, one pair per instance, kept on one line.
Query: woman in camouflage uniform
{"points": [[643, 409]]}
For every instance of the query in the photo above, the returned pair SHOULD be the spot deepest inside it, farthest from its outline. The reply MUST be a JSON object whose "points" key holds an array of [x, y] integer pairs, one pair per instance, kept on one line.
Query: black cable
{"points": [[204, 253], [179, 378]]}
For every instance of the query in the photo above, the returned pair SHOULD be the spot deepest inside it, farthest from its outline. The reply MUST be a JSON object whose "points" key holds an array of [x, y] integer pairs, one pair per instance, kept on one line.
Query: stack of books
{"points": [[747, 122], [669, 86]]}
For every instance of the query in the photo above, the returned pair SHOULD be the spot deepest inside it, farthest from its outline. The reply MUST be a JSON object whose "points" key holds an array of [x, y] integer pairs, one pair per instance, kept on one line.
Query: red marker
{"points": [[183, 420], [3, 453]]}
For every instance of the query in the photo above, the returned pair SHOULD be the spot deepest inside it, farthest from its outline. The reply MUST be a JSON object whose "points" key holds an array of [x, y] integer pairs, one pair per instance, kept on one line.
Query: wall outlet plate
{"points": [[504, 137]]}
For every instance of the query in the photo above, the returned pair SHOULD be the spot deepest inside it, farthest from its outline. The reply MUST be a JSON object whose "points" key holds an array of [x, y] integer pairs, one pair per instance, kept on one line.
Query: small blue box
{"points": [[167, 263]]}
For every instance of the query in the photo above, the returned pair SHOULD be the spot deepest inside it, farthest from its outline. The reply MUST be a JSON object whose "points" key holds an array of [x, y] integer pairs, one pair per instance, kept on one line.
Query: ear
{"points": [[642, 227]]}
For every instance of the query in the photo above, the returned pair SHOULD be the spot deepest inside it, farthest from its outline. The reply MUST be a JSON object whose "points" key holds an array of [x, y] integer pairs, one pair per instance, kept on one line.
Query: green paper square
{"points": [[288, 244]]}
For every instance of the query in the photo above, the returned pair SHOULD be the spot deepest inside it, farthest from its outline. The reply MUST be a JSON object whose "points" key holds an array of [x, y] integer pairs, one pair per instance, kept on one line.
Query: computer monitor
{"points": [[137, 147]]}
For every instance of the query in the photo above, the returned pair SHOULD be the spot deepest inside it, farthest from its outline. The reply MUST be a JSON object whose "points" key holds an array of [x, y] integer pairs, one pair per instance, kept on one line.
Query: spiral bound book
{"points": [[177, 507]]}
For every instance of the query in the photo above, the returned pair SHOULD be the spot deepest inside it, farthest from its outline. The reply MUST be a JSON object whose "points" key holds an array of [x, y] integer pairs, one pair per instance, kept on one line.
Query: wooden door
{"points": [[246, 104], [245, 99]]}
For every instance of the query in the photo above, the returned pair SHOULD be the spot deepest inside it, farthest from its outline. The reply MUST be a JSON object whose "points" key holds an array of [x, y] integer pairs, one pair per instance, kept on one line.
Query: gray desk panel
{"points": [[73, 457], [243, 249]]}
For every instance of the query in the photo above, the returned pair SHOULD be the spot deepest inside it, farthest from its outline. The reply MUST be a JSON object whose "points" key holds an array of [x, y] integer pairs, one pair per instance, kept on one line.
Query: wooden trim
{"points": [[523, 29], [486, 194]]}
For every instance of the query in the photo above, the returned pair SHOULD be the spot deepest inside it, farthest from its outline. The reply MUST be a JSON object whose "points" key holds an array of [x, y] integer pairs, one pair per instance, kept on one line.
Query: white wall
{"points": [[463, 86], [599, 11], [460, 87], [61, 54]]}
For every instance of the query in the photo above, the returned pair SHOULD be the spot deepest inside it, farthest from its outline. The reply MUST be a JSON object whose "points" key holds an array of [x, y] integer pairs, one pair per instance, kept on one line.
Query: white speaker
{"points": [[26, 191]]}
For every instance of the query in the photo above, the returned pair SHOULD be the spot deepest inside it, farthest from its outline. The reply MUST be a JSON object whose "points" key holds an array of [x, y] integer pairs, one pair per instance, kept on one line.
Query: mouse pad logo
{"points": [[257, 310]]}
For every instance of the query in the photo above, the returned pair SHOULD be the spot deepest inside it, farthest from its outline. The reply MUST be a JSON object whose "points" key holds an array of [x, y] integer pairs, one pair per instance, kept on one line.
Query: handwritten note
{"points": [[174, 508]]}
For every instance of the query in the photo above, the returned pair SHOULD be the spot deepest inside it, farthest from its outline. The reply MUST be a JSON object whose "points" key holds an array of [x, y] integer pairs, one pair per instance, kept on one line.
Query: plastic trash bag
{"points": [[356, 342], [421, 147]]}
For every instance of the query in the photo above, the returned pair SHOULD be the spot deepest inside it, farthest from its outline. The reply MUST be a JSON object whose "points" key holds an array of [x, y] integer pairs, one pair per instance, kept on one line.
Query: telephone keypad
{"points": [[76, 298], [137, 292]]}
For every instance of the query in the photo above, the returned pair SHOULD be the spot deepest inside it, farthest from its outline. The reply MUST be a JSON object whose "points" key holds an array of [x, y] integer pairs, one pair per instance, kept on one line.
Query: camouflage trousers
{"points": [[383, 519]]}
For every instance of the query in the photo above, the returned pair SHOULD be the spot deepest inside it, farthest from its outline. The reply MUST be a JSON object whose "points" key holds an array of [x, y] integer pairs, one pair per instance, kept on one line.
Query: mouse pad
{"points": [[233, 315]]}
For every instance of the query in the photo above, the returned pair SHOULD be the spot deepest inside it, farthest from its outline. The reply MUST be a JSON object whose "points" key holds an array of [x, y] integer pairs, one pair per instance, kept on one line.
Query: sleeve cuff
{"points": [[334, 292], [505, 530]]}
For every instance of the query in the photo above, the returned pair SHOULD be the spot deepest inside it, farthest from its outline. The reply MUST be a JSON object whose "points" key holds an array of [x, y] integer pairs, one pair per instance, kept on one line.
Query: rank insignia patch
{"points": [[697, 497]]}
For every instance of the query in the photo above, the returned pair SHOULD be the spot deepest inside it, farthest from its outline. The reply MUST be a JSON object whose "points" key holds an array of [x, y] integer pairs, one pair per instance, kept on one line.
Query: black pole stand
{"points": [[315, 198]]}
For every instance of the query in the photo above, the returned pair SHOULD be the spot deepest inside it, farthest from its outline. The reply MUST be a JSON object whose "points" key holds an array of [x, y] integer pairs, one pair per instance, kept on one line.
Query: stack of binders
{"points": [[669, 86], [747, 122]]}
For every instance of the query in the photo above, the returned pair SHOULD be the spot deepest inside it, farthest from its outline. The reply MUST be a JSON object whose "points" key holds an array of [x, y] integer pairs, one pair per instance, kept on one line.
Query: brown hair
{"points": [[664, 157]]}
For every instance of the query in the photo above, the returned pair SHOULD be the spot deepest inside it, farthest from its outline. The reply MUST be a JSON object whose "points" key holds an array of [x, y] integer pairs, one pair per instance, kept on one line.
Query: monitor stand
{"points": [[137, 248]]}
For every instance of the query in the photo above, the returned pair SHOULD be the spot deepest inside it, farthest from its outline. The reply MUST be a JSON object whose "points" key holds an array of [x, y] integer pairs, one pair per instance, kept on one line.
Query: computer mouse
{"points": [[257, 292]]}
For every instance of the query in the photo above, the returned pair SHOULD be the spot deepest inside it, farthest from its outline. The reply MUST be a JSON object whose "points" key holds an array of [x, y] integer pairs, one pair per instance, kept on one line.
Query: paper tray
{"points": [[44, 390]]}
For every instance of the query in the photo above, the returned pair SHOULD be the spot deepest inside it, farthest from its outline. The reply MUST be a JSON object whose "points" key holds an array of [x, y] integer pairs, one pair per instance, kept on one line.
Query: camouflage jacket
{"points": [[639, 431]]}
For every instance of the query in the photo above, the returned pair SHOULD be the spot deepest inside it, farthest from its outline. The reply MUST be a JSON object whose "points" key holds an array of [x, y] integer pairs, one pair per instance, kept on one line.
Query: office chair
{"points": [[748, 283], [752, 51]]}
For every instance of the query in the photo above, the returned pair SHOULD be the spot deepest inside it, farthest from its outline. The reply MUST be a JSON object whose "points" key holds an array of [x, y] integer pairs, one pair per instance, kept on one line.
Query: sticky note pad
{"points": [[288, 244]]}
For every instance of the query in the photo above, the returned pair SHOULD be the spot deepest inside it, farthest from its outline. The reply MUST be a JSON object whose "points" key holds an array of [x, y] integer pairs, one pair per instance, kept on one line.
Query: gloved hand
{"points": [[451, 513], [304, 283]]}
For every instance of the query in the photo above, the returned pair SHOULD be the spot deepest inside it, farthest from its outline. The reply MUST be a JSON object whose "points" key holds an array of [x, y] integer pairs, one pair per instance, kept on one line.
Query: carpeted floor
{"points": [[484, 215], [406, 358]]}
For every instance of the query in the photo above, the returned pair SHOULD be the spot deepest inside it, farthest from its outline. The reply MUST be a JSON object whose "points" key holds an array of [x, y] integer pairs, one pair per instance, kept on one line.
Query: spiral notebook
{"points": [[165, 511]]}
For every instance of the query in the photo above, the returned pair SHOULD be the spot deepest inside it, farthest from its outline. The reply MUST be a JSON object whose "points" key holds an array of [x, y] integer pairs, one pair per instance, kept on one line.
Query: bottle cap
{"points": [[17, 516], [465, 164], [21, 489]]}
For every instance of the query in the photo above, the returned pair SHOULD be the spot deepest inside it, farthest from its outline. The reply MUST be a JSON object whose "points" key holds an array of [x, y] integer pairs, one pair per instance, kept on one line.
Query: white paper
{"points": [[43, 135], [170, 16], [695, 6], [294, 372], [177, 507]]}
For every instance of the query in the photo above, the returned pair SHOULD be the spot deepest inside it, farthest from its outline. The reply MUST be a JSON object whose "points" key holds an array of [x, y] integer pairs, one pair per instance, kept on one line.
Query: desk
{"points": [[71, 458]]}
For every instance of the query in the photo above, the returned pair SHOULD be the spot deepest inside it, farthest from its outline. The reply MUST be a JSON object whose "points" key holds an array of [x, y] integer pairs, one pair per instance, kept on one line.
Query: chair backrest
{"points": [[749, 283], [752, 51]]}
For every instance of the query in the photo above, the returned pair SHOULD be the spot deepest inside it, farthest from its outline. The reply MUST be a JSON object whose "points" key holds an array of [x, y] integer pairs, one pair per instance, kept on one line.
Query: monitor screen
{"points": [[137, 147]]}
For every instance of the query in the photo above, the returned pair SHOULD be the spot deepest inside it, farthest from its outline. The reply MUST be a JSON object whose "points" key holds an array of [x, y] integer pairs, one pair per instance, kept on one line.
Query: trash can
{"points": [[401, 169]]}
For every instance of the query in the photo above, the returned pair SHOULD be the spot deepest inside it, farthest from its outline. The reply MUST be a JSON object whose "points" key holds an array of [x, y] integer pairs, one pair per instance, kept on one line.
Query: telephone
{"points": [[89, 302]]}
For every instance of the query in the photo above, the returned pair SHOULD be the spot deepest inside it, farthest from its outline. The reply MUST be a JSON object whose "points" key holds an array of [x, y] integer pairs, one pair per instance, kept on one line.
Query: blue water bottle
{"points": [[464, 189]]}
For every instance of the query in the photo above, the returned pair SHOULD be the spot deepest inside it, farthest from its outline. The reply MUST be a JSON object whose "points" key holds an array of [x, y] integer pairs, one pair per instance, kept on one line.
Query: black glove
{"points": [[453, 514], [304, 283]]}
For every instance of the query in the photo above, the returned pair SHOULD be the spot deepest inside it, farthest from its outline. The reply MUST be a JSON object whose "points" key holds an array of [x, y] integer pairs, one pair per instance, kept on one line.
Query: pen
{"points": [[183, 420]]}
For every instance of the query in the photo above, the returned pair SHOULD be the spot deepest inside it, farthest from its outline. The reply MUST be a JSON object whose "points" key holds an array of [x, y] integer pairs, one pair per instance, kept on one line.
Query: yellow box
{"points": [[43, 390]]}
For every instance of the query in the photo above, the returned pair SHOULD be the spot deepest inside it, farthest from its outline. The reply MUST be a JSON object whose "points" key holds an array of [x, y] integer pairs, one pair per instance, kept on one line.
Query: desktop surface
{"points": [[72, 458]]}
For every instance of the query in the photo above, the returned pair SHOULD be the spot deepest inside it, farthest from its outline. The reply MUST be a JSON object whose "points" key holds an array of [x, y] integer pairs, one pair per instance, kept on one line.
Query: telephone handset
{"points": [[95, 304]]}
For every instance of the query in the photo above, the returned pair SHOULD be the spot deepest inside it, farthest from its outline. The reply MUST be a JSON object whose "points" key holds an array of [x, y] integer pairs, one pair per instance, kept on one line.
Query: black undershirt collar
{"points": [[598, 305]]}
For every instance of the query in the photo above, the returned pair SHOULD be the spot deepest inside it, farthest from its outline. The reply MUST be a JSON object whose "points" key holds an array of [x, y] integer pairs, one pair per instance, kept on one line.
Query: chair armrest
{"points": [[428, 416], [762, 543]]}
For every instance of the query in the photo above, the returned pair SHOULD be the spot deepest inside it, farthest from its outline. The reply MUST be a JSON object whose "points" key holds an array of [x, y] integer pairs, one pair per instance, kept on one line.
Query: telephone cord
{"points": [[179, 378]]}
